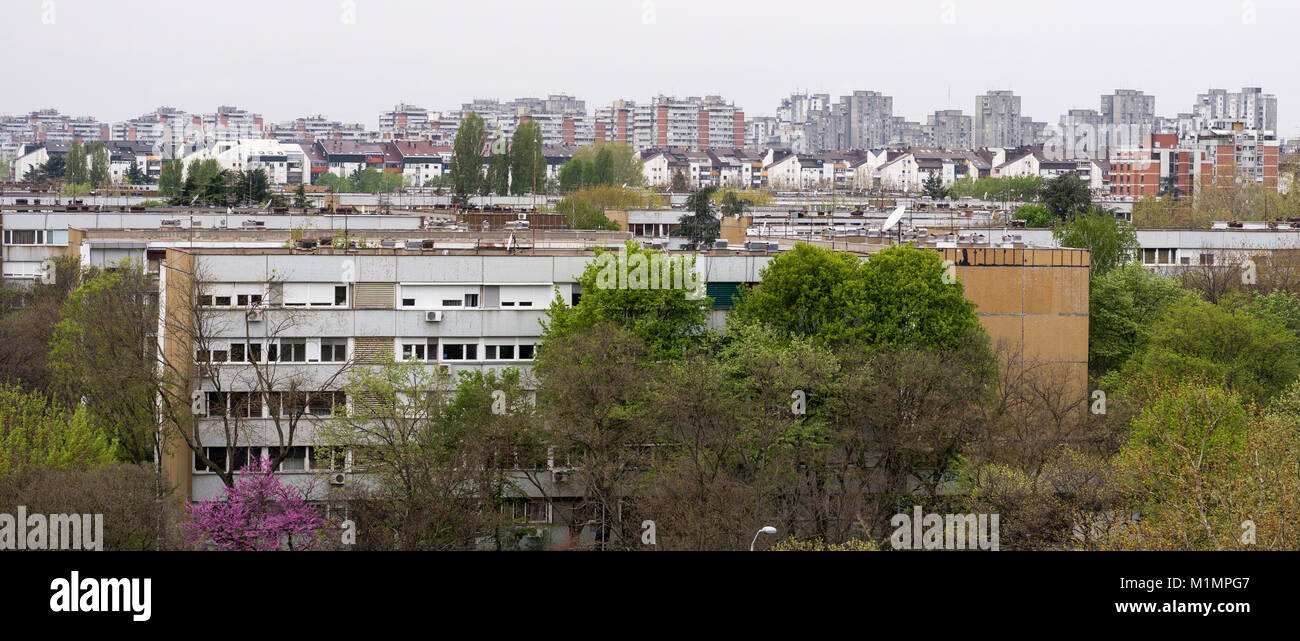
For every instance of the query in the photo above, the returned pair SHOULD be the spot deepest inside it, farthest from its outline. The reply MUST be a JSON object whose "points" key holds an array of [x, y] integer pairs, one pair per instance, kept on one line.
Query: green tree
{"points": [[300, 200], [1034, 216], [426, 437], [572, 176], [1122, 305], [169, 179], [102, 353], [732, 205], [1198, 465], [77, 172], [679, 182], [99, 175], [933, 187], [627, 289], [527, 161], [700, 227], [499, 174], [1111, 242], [902, 297], [1254, 356], [134, 175], [467, 158], [36, 432], [603, 163], [1066, 195]]}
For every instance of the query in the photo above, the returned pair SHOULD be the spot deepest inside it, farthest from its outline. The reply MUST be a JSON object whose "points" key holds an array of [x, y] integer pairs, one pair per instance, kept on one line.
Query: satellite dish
{"points": [[894, 218]]}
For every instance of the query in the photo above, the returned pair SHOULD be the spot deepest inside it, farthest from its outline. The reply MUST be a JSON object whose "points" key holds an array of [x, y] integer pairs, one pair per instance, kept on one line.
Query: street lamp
{"points": [[767, 529]]}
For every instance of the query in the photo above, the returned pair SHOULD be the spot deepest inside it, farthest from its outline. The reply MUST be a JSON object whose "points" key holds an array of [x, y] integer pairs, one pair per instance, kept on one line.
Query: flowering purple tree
{"points": [[258, 513]]}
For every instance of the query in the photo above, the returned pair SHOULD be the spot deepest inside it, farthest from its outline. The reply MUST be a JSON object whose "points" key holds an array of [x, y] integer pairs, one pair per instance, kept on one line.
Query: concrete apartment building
{"points": [[949, 129], [1251, 106], [997, 119]]}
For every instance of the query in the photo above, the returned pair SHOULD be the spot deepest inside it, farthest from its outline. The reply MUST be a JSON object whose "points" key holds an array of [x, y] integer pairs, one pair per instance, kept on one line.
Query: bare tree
{"points": [[227, 377]]}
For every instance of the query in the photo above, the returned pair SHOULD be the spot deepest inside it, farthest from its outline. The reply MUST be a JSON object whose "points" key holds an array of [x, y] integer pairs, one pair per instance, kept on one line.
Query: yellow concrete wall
{"points": [[178, 348], [1032, 301]]}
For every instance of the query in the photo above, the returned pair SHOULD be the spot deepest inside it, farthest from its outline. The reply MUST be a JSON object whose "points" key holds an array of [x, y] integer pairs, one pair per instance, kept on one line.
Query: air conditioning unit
{"points": [[253, 315], [337, 478], [433, 317], [444, 369], [561, 476]]}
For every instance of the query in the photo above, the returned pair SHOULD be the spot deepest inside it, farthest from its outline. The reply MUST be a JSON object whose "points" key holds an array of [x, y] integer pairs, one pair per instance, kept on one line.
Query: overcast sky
{"points": [[351, 59]]}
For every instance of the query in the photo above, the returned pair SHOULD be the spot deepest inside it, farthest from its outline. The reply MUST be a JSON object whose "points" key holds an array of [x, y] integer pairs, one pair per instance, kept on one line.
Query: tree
{"points": [[933, 187], [467, 158], [99, 175], [572, 176], [700, 227], [527, 162], [901, 296], [300, 200], [622, 289], [732, 205], [679, 182], [1034, 216], [103, 354], [263, 376], [1122, 305], [499, 174], [134, 175], [27, 324], [77, 172], [1169, 187], [1066, 195], [1111, 242], [1252, 356], [36, 432], [602, 164], [1199, 465], [259, 513], [591, 390], [1150, 212], [426, 439], [169, 179]]}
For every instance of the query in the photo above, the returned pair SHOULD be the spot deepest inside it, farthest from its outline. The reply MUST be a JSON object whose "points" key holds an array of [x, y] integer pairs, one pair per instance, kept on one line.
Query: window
{"points": [[471, 300], [216, 404], [246, 352], [333, 350], [530, 511], [213, 355], [1207, 259], [246, 404], [292, 350], [459, 351], [414, 352], [295, 461], [248, 300], [408, 302], [526, 352], [499, 352], [24, 237], [323, 403], [315, 295], [450, 302]]}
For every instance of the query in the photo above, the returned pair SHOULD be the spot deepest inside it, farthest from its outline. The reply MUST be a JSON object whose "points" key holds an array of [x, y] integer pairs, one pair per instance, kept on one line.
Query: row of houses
{"points": [[896, 170]]}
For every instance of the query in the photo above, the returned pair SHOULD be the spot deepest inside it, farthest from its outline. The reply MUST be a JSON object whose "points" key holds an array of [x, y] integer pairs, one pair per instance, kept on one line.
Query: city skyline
{"points": [[277, 59], [375, 121]]}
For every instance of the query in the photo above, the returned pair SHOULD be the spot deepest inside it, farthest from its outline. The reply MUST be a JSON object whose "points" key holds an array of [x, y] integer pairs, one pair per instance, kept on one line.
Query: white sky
{"points": [[115, 59]]}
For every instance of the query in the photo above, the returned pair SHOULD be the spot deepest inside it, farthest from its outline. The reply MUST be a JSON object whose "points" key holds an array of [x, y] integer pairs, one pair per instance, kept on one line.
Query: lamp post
{"points": [[767, 529]]}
